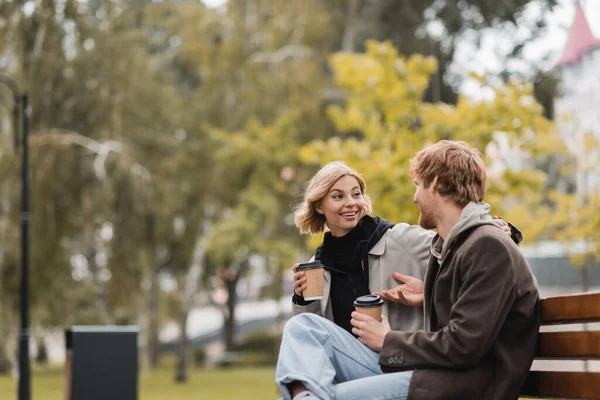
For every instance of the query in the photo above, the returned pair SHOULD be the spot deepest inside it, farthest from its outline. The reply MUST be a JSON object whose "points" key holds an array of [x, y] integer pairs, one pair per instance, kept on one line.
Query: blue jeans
{"points": [[332, 364]]}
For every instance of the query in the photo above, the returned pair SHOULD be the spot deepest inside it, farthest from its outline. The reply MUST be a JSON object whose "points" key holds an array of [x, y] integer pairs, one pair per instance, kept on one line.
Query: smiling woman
{"points": [[359, 252]]}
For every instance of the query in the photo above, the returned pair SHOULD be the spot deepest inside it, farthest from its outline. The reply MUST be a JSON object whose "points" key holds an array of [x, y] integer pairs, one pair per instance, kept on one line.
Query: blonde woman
{"points": [[362, 254]]}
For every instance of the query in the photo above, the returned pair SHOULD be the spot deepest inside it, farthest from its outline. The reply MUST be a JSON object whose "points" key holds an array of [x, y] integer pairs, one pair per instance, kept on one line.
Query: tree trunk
{"points": [[192, 281], [229, 315], [181, 372], [90, 255], [231, 277], [350, 30], [99, 287], [585, 287], [151, 323], [585, 273], [152, 347], [4, 360]]}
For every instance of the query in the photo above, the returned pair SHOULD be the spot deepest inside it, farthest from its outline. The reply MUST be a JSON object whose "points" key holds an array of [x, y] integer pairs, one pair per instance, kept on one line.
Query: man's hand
{"points": [[370, 332], [410, 293]]}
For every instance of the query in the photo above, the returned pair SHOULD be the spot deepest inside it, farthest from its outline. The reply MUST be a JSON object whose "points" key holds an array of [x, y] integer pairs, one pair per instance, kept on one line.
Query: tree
{"points": [[264, 159], [100, 108], [385, 122], [234, 70], [576, 221], [172, 151], [437, 28]]}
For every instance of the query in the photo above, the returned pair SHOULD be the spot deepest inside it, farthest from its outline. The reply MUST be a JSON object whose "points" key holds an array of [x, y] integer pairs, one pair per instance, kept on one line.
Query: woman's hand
{"points": [[299, 281], [410, 293], [505, 226]]}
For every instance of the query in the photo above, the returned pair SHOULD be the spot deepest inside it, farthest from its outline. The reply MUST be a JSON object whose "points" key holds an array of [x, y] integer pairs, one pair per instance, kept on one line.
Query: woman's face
{"points": [[343, 206]]}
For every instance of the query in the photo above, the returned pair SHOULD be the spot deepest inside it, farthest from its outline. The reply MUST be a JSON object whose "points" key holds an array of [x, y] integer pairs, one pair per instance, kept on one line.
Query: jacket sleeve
{"points": [[312, 307], [416, 242], [515, 233], [484, 300]]}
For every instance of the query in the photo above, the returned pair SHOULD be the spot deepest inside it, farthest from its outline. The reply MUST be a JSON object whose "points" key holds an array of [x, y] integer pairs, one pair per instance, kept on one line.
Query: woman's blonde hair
{"points": [[306, 217]]}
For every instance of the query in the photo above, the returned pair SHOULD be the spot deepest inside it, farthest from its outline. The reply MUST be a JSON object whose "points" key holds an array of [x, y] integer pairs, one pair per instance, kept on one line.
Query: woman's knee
{"points": [[301, 322]]}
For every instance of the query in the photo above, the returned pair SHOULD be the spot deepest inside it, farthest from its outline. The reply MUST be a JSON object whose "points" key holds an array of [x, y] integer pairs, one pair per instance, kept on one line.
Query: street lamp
{"points": [[22, 101]]}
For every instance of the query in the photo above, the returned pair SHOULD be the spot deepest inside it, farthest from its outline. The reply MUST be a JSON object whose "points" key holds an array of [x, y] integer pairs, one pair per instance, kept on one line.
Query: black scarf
{"points": [[347, 259]]}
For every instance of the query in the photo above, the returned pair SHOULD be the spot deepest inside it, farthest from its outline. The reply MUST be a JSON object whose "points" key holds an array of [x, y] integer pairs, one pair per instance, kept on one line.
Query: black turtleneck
{"points": [[342, 257], [346, 258]]}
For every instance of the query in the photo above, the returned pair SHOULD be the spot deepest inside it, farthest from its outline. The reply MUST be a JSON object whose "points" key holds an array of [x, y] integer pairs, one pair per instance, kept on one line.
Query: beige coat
{"points": [[403, 248]]}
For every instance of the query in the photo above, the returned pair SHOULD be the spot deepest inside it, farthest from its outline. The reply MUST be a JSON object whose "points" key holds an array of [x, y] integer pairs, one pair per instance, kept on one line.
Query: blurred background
{"points": [[170, 141]]}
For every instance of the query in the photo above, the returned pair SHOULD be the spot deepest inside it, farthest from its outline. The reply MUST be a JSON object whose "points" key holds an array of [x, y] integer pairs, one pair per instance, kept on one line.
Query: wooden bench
{"points": [[582, 345]]}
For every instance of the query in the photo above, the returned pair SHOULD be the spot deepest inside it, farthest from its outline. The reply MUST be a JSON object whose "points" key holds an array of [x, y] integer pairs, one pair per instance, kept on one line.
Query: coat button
{"points": [[398, 358]]}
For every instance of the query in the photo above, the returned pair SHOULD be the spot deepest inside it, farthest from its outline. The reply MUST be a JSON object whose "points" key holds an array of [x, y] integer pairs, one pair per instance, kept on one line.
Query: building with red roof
{"points": [[581, 40]]}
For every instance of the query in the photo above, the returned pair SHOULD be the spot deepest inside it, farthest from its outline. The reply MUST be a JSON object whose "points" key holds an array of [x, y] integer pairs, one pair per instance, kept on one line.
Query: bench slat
{"points": [[570, 309], [577, 345], [570, 385]]}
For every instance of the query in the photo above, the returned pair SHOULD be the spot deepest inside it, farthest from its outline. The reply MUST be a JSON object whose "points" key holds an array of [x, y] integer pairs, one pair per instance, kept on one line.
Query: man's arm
{"points": [[484, 300]]}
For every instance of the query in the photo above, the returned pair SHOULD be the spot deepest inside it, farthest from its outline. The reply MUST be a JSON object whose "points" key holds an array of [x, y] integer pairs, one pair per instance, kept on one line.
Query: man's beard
{"points": [[426, 220]]}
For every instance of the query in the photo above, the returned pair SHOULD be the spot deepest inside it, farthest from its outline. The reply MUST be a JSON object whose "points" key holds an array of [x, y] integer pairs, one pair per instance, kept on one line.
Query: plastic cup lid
{"points": [[370, 300], [309, 265]]}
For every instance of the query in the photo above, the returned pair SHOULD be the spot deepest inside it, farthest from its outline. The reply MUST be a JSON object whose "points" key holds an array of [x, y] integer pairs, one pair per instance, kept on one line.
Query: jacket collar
{"points": [[378, 249]]}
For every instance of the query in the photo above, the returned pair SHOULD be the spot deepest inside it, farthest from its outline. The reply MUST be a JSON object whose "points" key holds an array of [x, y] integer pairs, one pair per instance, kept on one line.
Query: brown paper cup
{"points": [[313, 271], [314, 284], [370, 304], [374, 312]]}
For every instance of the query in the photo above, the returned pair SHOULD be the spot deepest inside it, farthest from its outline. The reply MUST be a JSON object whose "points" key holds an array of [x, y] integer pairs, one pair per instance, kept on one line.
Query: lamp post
{"points": [[24, 392]]}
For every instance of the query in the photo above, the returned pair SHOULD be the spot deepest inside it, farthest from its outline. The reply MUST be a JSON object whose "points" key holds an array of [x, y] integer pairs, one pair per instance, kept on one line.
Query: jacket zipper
{"points": [[343, 273]]}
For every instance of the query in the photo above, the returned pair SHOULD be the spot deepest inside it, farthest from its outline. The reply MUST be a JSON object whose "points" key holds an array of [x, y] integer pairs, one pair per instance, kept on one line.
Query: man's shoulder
{"points": [[491, 246], [488, 231], [488, 238]]}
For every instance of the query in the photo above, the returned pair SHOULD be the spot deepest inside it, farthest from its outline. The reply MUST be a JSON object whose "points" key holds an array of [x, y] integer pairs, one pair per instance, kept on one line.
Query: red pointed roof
{"points": [[581, 39]]}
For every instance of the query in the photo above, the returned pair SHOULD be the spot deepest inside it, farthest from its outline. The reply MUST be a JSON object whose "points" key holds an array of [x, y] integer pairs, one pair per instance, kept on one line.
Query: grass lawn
{"points": [[237, 383]]}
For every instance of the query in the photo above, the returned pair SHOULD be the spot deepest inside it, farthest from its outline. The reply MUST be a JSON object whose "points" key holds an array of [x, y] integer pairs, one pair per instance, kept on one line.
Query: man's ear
{"points": [[435, 185]]}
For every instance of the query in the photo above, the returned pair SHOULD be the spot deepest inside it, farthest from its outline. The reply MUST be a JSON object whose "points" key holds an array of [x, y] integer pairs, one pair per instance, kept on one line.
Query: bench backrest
{"points": [[580, 345]]}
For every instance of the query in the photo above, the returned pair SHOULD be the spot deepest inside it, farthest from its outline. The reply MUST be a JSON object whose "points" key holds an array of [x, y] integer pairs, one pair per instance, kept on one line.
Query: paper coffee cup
{"points": [[313, 271], [370, 304]]}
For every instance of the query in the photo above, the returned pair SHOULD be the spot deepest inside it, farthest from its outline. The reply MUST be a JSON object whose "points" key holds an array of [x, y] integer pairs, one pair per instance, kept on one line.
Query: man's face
{"points": [[425, 200]]}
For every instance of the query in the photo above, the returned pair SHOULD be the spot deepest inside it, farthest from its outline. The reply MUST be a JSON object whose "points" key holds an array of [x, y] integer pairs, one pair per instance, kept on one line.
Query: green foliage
{"points": [[385, 122], [159, 126]]}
